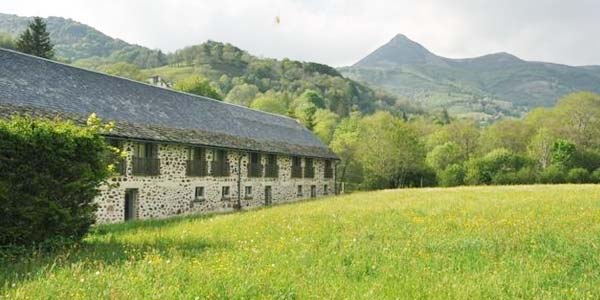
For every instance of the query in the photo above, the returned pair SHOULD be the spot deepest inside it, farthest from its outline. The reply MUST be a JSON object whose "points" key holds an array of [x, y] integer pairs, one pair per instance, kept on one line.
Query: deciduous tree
{"points": [[269, 104], [199, 86]]}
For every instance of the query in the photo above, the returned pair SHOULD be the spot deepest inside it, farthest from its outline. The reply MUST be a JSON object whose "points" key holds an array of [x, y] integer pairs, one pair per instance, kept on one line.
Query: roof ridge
{"points": [[146, 84]]}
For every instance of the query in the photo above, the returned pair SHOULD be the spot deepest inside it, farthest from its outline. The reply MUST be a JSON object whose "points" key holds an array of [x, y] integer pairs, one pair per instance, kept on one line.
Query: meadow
{"points": [[497, 242]]}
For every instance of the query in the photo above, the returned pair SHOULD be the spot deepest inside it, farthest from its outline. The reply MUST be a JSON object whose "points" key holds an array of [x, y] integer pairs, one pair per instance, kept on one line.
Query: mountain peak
{"points": [[400, 37], [400, 50], [503, 56]]}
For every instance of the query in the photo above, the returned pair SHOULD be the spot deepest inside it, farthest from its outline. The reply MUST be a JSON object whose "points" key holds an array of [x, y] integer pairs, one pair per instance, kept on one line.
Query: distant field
{"points": [[526, 242]]}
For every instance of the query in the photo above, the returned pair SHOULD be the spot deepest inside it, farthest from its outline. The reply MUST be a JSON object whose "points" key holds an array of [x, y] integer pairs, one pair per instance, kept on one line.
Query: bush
{"points": [[527, 175], [443, 156], [596, 176], [420, 177], [49, 175], [496, 167], [199, 86], [578, 175], [587, 159], [453, 175], [552, 174], [505, 178]]}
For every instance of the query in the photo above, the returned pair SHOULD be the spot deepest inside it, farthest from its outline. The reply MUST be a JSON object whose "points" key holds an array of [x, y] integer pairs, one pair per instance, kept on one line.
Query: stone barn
{"points": [[185, 153]]}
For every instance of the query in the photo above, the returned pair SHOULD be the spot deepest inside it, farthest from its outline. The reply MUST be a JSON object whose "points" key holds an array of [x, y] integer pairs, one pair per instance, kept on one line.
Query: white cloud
{"points": [[340, 32]]}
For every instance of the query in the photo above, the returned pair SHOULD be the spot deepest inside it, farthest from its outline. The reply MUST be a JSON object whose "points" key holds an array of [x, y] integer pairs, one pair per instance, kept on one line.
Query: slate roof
{"points": [[40, 87]]}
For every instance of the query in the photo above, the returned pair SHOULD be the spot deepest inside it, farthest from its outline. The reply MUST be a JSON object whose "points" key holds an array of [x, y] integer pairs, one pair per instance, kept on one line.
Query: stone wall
{"points": [[174, 193]]}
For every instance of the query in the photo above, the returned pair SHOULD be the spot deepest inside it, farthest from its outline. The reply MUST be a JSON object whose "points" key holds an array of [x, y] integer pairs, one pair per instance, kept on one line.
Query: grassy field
{"points": [[523, 242]]}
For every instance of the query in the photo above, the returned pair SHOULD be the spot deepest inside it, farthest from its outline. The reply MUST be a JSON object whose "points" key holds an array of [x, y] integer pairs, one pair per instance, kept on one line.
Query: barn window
{"points": [[196, 163], [309, 170], [220, 166], [225, 193], [145, 159], [271, 169], [296, 167], [248, 192], [255, 168], [199, 195]]}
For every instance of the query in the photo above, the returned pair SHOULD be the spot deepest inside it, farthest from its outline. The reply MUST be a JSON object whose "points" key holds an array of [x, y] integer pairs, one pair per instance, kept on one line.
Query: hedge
{"points": [[578, 175], [50, 171]]}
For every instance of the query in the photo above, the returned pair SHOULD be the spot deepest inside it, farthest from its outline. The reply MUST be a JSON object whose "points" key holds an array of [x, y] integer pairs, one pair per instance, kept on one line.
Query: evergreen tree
{"points": [[445, 118], [35, 40]]}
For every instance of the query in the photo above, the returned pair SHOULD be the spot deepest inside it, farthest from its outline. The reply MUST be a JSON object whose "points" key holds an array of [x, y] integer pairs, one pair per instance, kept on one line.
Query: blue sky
{"points": [[340, 32]]}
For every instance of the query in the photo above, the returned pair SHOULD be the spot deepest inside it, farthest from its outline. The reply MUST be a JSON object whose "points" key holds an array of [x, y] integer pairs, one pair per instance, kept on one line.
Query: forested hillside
{"points": [[486, 87], [73, 40], [240, 77]]}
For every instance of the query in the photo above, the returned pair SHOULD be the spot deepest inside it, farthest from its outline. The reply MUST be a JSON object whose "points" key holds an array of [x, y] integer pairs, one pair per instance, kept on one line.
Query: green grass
{"points": [[526, 242]]}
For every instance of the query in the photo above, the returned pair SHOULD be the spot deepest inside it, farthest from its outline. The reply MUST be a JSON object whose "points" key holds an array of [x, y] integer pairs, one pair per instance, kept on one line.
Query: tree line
{"points": [[550, 145]]}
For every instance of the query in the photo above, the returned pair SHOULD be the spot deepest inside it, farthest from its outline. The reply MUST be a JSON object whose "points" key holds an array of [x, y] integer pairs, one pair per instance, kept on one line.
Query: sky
{"points": [[341, 32]]}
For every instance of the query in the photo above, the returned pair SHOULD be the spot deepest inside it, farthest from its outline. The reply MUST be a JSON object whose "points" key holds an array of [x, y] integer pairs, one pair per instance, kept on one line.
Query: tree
{"points": [[345, 144], [453, 175], [579, 115], [242, 94], [444, 155], [578, 175], [463, 133], [596, 176], [563, 152], [269, 104], [388, 150], [540, 147], [56, 205], [493, 166], [314, 98], [305, 113], [510, 134], [199, 86], [7, 42], [325, 122], [552, 174], [35, 40], [444, 117]]}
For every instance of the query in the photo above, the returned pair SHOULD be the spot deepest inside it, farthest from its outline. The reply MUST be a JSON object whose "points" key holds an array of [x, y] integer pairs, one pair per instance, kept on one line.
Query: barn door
{"points": [[130, 207], [268, 195]]}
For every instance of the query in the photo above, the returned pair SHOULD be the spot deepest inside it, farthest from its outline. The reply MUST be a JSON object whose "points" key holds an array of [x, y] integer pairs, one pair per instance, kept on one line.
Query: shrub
{"points": [[443, 156], [50, 171], [587, 159], [453, 175], [496, 164], [563, 152], [552, 174], [578, 175], [595, 177], [527, 175], [505, 178], [199, 86], [420, 177]]}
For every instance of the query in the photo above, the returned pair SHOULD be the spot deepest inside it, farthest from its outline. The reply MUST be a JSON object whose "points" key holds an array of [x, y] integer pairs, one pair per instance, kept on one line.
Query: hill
{"points": [[73, 40], [225, 65], [490, 85], [228, 67], [517, 242]]}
